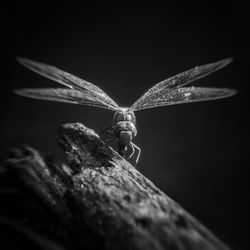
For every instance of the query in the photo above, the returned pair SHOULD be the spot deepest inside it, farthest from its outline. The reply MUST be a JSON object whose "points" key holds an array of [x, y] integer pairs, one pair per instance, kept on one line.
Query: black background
{"points": [[196, 153]]}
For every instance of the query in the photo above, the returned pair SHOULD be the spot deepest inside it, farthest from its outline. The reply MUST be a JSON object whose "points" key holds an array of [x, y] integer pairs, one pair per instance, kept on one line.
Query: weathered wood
{"points": [[98, 200]]}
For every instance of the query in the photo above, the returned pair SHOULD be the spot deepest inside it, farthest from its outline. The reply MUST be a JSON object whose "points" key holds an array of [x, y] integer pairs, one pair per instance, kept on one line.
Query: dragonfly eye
{"points": [[126, 116], [118, 117]]}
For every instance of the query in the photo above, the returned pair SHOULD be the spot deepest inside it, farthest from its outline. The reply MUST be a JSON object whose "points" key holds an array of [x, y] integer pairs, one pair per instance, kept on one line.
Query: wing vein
{"points": [[178, 81], [68, 80], [64, 95]]}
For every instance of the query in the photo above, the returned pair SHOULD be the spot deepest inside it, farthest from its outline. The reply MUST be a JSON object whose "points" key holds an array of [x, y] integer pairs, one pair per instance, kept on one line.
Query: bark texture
{"points": [[98, 200]]}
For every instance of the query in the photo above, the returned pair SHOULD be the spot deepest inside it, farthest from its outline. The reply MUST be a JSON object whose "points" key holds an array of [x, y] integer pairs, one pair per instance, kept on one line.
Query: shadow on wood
{"points": [[97, 200]]}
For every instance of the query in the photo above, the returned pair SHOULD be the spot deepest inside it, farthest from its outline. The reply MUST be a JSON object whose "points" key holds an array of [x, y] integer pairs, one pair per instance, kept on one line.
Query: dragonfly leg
{"points": [[138, 153], [108, 130], [108, 134], [133, 150], [110, 139]]}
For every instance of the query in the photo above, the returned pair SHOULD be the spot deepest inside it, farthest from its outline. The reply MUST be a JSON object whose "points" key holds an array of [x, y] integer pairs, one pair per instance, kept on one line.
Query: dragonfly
{"points": [[123, 129]]}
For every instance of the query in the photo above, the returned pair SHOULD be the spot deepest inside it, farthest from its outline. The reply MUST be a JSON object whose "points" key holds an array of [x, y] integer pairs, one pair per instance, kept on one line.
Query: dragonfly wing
{"points": [[66, 79], [186, 95], [179, 80], [64, 95]]}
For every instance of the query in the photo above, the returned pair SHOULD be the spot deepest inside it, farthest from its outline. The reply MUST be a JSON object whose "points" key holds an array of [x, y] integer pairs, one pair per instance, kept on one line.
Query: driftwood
{"points": [[98, 200]]}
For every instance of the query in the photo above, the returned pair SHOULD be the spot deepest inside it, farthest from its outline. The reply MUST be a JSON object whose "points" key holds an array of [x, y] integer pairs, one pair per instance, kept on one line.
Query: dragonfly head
{"points": [[126, 131], [124, 114]]}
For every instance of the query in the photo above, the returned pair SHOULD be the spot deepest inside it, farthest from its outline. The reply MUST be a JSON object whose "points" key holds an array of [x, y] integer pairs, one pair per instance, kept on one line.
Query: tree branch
{"points": [[99, 200]]}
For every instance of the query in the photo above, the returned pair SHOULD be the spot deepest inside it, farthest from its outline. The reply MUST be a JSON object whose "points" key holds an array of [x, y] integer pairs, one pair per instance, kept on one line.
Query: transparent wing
{"points": [[186, 95], [64, 95], [67, 79], [178, 81]]}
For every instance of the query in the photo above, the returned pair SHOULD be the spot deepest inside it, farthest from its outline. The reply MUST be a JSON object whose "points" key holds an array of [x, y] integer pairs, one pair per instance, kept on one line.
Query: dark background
{"points": [[196, 153]]}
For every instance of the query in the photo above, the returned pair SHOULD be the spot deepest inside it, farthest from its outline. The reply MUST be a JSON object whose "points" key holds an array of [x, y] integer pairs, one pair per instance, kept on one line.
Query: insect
{"points": [[123, 129]]}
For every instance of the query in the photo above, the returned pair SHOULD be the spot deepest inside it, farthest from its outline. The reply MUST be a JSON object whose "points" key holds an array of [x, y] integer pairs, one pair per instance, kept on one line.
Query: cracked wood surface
{"points": [[98, 200]]}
